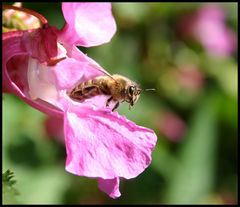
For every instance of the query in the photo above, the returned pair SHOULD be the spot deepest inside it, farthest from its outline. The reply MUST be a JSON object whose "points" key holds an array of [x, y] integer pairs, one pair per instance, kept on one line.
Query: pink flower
{"points": [[99, 143], [208, 27], [171, 126], [190, 78]]}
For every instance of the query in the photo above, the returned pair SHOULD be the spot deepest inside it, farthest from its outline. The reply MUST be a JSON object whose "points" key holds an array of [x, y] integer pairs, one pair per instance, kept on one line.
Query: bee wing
{"points": [[101, 69]]}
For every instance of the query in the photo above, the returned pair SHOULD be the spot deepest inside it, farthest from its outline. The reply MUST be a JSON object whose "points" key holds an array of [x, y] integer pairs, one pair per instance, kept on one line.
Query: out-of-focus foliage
{"points": [[193, 111], [9, 192]]}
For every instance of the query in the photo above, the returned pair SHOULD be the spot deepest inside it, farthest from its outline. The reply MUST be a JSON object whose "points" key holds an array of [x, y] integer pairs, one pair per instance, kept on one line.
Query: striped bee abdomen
{"points": [[86, 90]]}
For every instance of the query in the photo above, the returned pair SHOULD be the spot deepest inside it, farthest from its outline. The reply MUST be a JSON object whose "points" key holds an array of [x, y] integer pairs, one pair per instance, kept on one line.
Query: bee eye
{"points": [[131, 90]]}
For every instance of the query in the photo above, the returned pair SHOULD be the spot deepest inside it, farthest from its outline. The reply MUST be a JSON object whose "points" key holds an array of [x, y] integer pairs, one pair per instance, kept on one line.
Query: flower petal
{"points": [[75, 69], [103, 144], [14, 71], [11, 47], [87, 24], [40, 44], [110, 186]]}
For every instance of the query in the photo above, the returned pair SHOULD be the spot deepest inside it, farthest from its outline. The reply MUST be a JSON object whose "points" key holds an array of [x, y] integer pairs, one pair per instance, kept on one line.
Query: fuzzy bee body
{"points": [[118, 87]]}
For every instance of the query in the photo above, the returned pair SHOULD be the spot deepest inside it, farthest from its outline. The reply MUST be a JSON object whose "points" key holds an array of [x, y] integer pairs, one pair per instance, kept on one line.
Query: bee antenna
{"points": [[150, 89]]}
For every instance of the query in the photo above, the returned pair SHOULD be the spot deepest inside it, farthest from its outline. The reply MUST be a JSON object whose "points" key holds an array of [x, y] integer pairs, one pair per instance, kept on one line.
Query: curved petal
{"points": [[87, 24], [11, 46], [103, 144], [110, 186], [40, 44], [76, 68], [49, 83], [74, 52], [14, 71]]}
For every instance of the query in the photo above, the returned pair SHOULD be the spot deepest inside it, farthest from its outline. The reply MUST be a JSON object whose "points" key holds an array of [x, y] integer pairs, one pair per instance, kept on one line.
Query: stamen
{"points": [[54, 61], [39, 16]]}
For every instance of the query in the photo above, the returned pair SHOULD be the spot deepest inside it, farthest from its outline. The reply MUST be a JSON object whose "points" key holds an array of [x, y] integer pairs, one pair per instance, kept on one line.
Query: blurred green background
{"points": [[193, 112]]}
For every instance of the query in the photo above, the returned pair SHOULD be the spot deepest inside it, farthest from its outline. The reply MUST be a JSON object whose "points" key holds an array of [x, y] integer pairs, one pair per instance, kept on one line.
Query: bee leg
{"points": [[108, 101], [129, 107], [115, 107]]}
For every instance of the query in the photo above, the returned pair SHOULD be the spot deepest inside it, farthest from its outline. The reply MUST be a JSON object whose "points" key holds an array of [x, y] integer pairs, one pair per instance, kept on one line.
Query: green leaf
{"points": [[9, 192], [193, 178]]}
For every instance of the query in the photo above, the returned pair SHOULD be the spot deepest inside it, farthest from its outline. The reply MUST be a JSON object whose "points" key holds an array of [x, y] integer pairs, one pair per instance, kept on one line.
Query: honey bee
{"points": [[118, 87]]}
